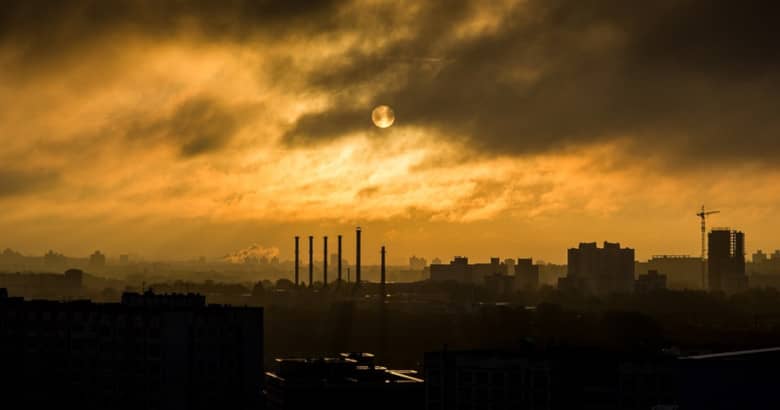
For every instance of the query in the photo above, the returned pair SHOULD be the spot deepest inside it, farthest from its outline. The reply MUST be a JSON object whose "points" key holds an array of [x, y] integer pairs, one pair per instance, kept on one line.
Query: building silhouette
{"points": [[480, 271], [726, 261], [97, 260], [759, 257], [652, 281], [586, 378], [150, 351], [44, 285], [485, 379], [496, 275], [417, 264], [765, 264], [457, 270], [555, 378], [54, 259], [348, 381], [682, 271], [460, 270], [599, 270], [764, 270], [500, 283], [509, 264], [526, 274], [743, 379]]}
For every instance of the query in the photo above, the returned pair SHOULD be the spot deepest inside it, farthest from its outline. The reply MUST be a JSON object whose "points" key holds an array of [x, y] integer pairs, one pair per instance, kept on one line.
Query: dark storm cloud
{"points": [[19, 182], [197, 126], [35, 19], [332, 124], [202, 126], [684, 79], [42, 31]]}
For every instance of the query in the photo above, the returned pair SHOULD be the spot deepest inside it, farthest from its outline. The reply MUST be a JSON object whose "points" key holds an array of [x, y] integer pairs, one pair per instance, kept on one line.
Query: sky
{"points": [[178, 129]]}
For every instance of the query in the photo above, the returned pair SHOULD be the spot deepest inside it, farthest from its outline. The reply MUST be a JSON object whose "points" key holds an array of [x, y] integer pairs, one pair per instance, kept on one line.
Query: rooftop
{"points": [[149, 298], [734, 354], [346, 368]]}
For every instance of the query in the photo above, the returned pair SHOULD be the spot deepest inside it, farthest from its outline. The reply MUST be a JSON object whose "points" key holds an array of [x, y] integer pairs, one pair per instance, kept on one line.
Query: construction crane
{"points": [[703, 215]]}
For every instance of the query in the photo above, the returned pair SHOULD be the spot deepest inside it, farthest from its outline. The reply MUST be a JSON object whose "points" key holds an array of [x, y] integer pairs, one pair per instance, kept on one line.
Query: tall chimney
{"points": [[339, 274], [297, 262], [383, 277], [311, 260], [325, 261], [357, 257]]}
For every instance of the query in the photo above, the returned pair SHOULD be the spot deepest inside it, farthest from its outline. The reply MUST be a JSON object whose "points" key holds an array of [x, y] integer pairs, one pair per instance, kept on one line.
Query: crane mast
{"points": [[703, 215]]}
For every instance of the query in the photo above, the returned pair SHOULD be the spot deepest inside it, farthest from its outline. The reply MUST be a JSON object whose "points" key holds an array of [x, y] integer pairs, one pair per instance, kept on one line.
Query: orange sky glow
{"points": [[180, 146]]}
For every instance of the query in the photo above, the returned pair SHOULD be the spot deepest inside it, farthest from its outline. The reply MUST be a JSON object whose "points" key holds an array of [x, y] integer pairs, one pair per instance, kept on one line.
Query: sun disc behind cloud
{"points": [[383, 116]]}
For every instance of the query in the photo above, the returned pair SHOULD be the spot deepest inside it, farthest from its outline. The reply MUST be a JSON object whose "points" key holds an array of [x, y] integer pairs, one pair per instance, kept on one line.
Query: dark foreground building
{"points": [[45, 285], [349, 381], [505, 380], [744, 379], [569, 379], [148, 352]]}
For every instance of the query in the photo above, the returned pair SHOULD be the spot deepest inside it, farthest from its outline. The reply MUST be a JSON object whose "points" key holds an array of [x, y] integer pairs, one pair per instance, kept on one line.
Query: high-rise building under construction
{"points": [[726, 261]]}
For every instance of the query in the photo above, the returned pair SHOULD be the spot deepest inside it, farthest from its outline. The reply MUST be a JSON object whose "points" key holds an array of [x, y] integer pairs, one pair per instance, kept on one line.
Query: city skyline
{"points": [[386, 204], [272, 254]]}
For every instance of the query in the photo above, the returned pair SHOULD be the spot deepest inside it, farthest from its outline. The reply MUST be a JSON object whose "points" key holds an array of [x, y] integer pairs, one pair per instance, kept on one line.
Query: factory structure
{"points": [[590, 269], [338, 260]]}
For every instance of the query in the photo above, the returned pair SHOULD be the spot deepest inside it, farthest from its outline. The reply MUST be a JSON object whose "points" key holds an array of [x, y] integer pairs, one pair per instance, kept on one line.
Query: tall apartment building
{"points": [[726, 261], [600, 270], [150, 351], [526, 274]]}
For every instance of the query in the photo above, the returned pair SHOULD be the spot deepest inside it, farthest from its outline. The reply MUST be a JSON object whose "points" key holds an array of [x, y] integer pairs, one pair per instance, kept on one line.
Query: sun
{"points": [[383, 116]]}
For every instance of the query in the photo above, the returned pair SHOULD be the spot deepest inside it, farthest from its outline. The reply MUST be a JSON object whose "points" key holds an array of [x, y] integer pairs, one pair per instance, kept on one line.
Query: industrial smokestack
{"points": [[357, 256], [297, 262], [383, 272], [324, 261], [339, 263], [311, 260]]}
